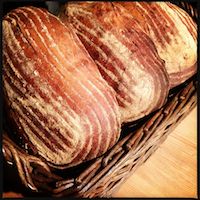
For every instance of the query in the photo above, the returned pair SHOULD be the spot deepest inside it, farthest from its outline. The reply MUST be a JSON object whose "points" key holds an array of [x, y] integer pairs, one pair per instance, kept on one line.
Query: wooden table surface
{"points": [[170, 172]]}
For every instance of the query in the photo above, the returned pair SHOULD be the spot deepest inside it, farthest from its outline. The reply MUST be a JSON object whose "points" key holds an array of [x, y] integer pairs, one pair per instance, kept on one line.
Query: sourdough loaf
{"points": [[55, 94], [124, 54], [174, 34]]}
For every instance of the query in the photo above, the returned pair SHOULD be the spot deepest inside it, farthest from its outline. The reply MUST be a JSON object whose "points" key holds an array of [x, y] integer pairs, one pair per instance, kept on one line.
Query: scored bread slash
{"points": [[54, 91], [125, 55], [174, 34]]}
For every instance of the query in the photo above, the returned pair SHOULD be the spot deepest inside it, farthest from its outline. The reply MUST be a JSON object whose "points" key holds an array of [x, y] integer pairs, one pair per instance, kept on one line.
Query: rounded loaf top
{"points": [[54, 93], [174, 34], [125, 55]]}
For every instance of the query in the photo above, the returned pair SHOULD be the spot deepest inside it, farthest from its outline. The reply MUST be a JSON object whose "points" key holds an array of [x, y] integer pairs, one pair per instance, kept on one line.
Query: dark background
{"points": [[52, 6]]}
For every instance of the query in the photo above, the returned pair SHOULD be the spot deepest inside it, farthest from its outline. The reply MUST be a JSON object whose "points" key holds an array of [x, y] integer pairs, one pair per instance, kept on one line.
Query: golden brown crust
{"points": [[125, 55], [174, 34], [57, 96]]}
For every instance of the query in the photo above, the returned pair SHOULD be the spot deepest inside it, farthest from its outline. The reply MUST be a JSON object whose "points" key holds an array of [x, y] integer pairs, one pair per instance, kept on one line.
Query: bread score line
{"points": [[174, 34], [125, 55], [60, 105]]}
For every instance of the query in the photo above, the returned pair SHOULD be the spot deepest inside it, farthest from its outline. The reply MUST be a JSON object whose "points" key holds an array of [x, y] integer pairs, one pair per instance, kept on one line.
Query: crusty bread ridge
{"points": [[54, 91], [125, 55], [174, 34]]}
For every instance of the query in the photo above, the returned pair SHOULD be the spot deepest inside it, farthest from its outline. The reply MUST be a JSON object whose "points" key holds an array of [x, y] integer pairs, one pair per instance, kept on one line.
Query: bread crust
{"points": [[174, 34], [59, 101], [125, 55]]}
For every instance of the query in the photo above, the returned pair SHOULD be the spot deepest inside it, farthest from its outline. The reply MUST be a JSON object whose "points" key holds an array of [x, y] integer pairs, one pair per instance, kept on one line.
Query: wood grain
{"points": [[172, 170]]}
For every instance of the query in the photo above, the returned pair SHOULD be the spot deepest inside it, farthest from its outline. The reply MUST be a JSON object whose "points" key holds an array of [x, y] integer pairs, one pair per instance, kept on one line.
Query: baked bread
{"points": [[174, 34], [124, 54], [61, 106], [69, 86]]}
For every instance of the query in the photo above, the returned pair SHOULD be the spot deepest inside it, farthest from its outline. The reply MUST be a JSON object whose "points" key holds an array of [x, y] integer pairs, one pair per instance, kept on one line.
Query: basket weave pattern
{"points": [[102, 176]]}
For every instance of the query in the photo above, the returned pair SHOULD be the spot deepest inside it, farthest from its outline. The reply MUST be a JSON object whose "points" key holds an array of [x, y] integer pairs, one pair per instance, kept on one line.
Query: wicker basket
{"points": [[102, 176]]}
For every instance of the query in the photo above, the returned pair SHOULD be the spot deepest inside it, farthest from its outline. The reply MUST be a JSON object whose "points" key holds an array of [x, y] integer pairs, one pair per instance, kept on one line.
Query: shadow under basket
{"points": [[102, 176]]}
